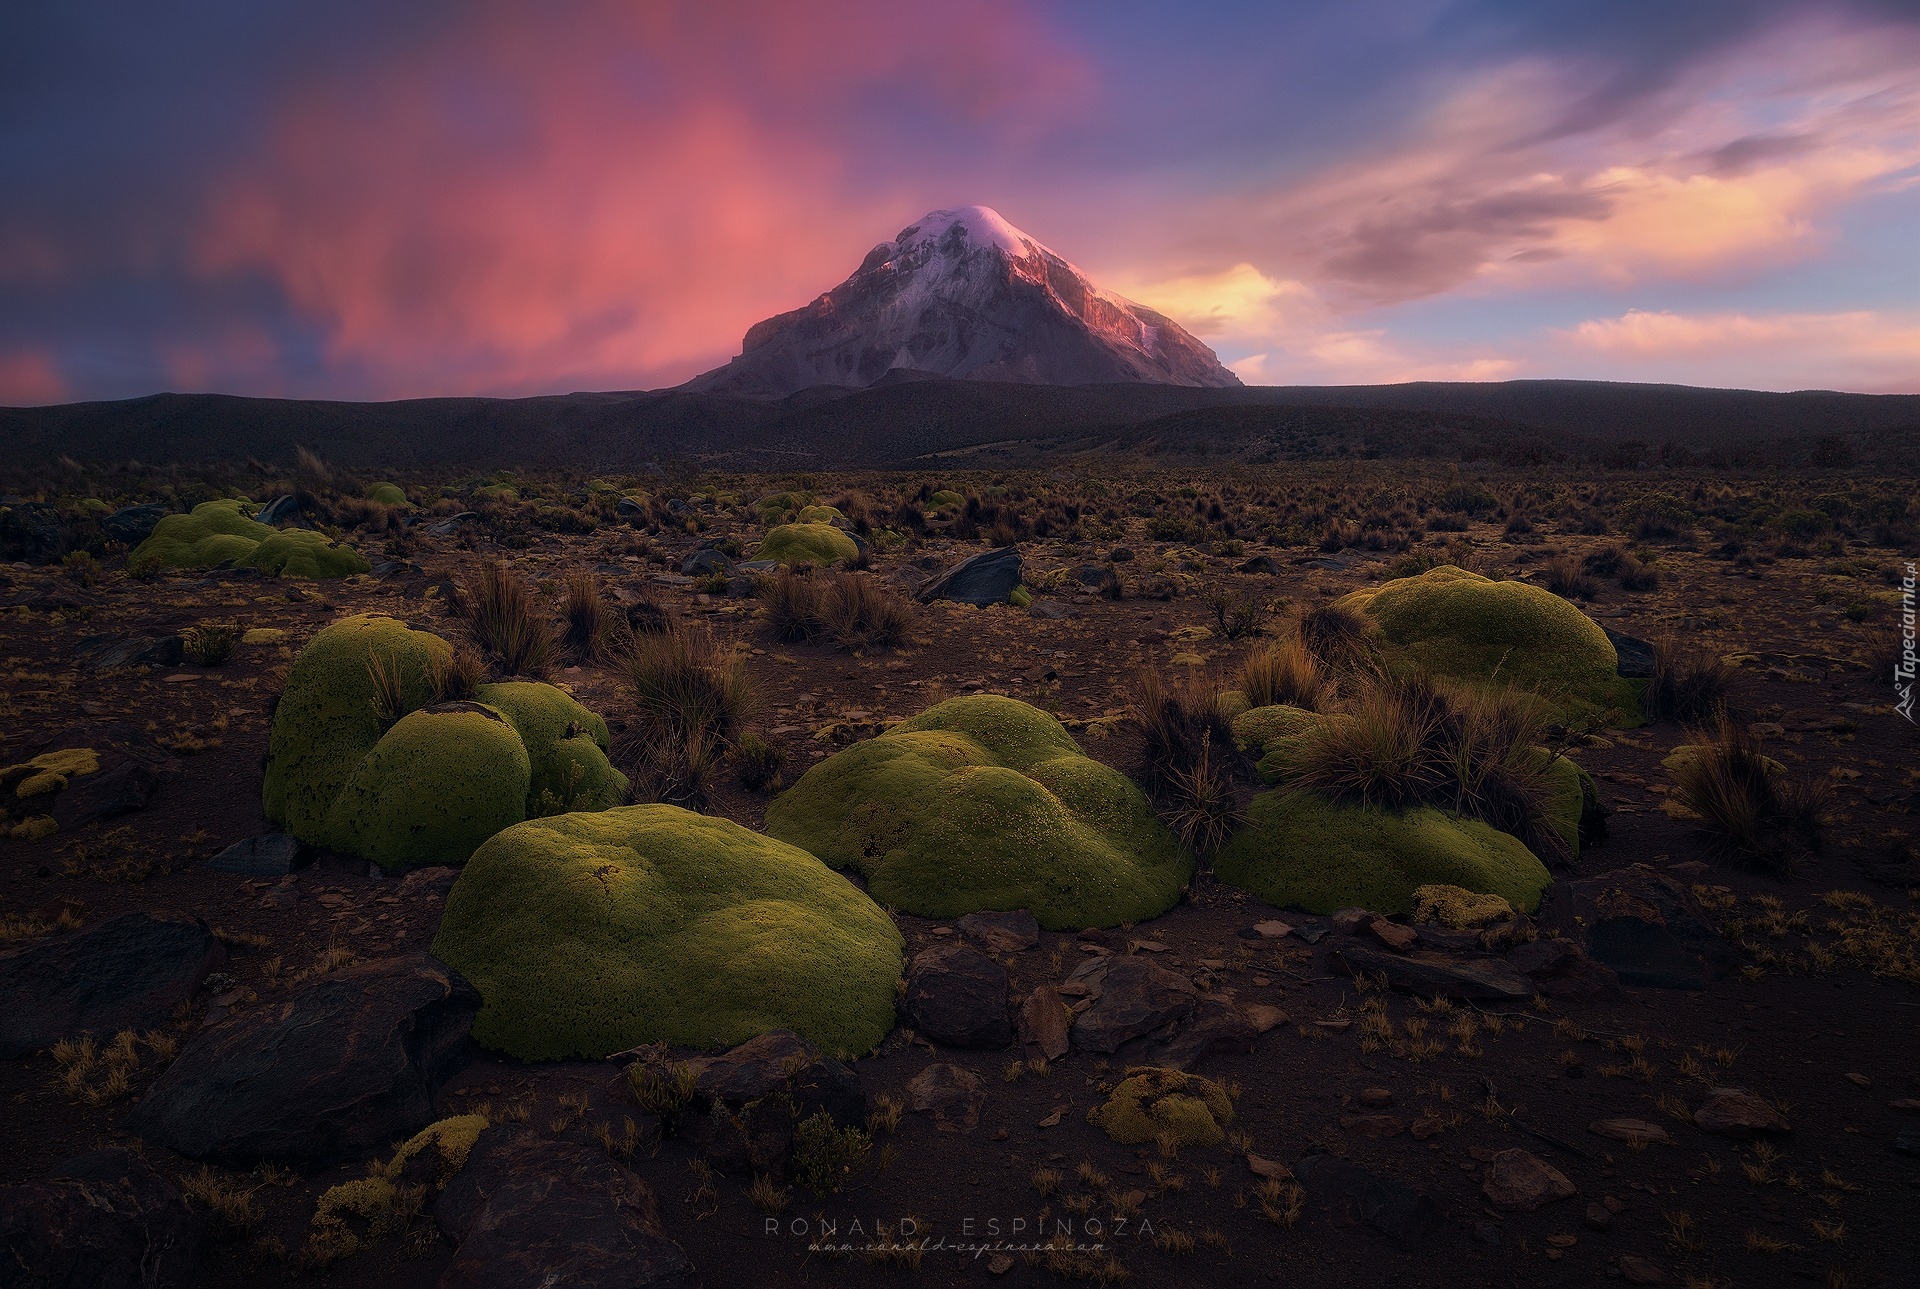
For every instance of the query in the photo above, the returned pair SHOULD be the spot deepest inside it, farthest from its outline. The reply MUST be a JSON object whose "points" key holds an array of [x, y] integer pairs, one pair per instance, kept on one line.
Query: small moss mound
{"points": [[986, 803], [1259, 729], [301, 552], [444, 777], [588, 934], [1452, 623], [376, 1200], [388, 494], [1298, 850], [806, 544], [1151, 1101], [1457, 907], [46, 774], [944, 498], [212, 533]]}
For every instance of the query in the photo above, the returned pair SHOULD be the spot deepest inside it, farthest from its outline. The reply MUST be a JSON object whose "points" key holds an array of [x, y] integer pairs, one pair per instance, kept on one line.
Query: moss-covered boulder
{"points": [[431, 786], [986, 803], [818, 514], [1152, 1102], [806, 544], [1457, 907], [1460, 625], [388, 494], [211, 533], [588, 934], [301, 552], [1298, 850]]}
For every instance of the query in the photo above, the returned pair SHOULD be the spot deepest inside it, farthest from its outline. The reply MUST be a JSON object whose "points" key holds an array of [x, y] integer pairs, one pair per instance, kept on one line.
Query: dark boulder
{"points": [[1132, 999], [957, 996], [339, 1070], [1265, 564], [105, 653], [283, 512], [1644, 925], [705, 563], [132, 525], [121, 786], [1562, 969], [452, 523], [105, 1220], [1390, 1206], [126, 973], [750, 1101], [527, 1211], [983, 579], [32, 531], [1468, 978], [1099, 579], [1635, 654]]}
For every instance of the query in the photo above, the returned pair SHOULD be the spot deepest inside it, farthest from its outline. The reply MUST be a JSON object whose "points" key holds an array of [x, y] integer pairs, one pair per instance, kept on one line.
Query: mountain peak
{"points": [[963, 293]]}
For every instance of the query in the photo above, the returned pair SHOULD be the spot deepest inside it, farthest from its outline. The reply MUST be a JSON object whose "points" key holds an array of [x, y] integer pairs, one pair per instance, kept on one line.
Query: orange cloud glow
{"points": [[1865, 350], [31, 379]]}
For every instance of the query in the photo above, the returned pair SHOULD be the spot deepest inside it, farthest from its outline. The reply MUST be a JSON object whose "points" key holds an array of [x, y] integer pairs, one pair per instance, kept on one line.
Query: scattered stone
{"points": [[1271, 1169], [1468, 979], [527, 1211], [1271, 930], [108, 653], [1858, 1080], [1394, 935], [1352, 921], [1264, 1017], [1099, 579], [781, 1062], [1639, 1271], [426, 884], [1560, 968], [1003, 932], [131, 525], [1051, 610], [1215, 1026], [1631, 1130], [105, 1220], [451, 524], [337, 1071], [1375, 1097], [956, 995], [983, 579], [1598, 1216], [1046, 1023], [1520, 1181], [1378, 1126], [705, 563], [1386, 1204], [126, 973], [273, 855], [953, 1096], [1266, 564], [1734, 1112]]}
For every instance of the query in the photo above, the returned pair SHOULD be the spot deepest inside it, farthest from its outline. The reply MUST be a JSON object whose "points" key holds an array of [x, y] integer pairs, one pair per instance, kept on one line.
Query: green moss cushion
{"points": [[1297, 850], [444, 778], [1259, 729], [436, 785], [301, 552], [986, 803], [388, 494], [819, 514], [806, 543], [1457, 624], [212, 533], [588, 934]]}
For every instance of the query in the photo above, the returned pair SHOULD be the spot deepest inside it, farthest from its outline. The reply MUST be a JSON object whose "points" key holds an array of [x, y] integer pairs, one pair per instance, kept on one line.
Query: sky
{"points": [[370, 200]]}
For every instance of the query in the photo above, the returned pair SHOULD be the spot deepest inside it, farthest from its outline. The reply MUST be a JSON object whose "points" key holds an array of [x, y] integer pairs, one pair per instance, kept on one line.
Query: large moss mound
{"points": [[212, 533], [388, 494], [1452, 623], [588, 934], [1298, 850], [301, 552], [986, 803], [440, 780], [806, 544]]}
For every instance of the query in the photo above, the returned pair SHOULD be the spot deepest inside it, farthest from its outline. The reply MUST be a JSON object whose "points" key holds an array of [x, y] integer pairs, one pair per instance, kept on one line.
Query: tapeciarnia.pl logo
{"points": [[1903, 666]]}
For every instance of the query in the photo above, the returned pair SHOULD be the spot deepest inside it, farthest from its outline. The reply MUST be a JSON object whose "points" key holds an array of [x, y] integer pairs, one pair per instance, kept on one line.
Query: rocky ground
{"points": [[1721, 1090]]}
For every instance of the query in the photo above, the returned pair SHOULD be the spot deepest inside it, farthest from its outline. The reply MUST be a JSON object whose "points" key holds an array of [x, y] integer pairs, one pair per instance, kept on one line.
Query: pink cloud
{"points": [[1874, 352], [31, 378]]}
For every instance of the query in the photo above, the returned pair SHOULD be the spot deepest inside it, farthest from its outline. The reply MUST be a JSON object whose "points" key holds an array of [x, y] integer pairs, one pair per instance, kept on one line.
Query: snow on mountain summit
{"points": [[963, 293]]}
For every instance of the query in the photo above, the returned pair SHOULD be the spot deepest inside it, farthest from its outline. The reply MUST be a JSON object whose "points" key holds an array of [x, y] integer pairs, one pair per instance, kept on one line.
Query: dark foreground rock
{"points": [[749, 1103], [1003, 932], [1387, 1204], [1476, 978], [105, 1220], [127, 973], [1144, 1014], [121, 786], [337, 1071], [529, 1212], [957, 996], [983, 579], [1562, 969], [1644, 925], [273, 855]]}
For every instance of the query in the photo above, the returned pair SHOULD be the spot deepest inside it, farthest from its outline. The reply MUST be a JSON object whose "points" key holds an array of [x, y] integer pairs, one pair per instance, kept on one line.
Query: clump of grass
{"points": [[455, 678], [1754, 810], [1565, 577], [590, 623], [1408, 742], [504, 620], [1687, 684], [790, 606], [1285, 673], [692, 698], [852, 611], [759, 762], [210, 644], [1340, 639], [1237, 617], [1200, 805], [1188, 757]]}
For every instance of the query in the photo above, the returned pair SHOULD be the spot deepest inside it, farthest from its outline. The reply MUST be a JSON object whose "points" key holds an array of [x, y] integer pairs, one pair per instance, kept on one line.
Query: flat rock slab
{"points": [[338, 1071], [783, 1062], [1045, 1023], [957, 996], [272, 855], [129, 972], [983, 579], [1520, 1181], [1631, 1130], [1436, 975], [1011, 932], [1133, 998], [530, 1212], [106, 1220], [1734, 1112], [951, 1095], [1562, 969], [1387, 1204]]}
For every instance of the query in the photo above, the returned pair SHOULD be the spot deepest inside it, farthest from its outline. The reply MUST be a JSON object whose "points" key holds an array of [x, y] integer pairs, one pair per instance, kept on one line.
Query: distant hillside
{"points": [[900, 420]]}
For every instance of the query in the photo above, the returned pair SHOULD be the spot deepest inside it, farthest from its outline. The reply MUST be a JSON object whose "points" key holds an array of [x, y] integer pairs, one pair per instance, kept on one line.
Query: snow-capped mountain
{"points": [[963, 293]]}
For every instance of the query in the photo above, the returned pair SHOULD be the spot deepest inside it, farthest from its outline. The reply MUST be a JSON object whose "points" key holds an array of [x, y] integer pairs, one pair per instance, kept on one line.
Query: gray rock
{"points": [[1562, 969], [1099, 579], [957, 996], [104, 653], [951, 1095], [628, 508], [283, 512], [705, 563], [126, 973], [983, 579], [1266, 564], [339, 1070], [780, 1061], [1134, 998], [526, 1211], [451, 524], [1050, 610], [1635, 655], [273, 855], [1481, 978]]}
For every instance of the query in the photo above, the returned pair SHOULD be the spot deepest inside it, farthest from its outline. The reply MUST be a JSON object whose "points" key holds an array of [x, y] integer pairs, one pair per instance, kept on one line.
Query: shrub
{"points": [[144, 566], [589, 622], [81, 568], [759, 761], [1687, 684], [692, 699], [210, 644], [1237, 617], [1339, 638], [1285, 673], [858, 612], [503, 620], [1755, 812], [825, 1155], [1564, 576]]}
